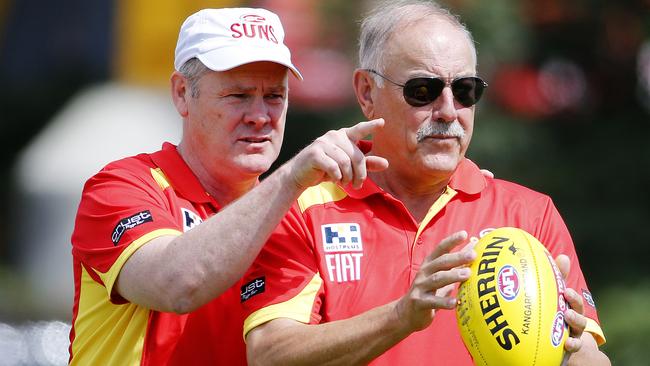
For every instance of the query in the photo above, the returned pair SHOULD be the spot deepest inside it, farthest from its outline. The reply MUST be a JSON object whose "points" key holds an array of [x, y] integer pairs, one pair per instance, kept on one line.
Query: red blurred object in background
{"points": [[328, 79], [559, 86], [516, 88], [327, 71]]}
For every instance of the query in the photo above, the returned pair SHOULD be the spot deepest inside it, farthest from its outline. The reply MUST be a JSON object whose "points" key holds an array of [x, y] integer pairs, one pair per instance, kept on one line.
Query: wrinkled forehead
{"points": [[434, 45]]}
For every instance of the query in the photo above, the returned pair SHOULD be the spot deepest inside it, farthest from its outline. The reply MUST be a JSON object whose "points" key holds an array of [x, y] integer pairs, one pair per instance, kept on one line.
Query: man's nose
{"points": [[258, 113], [444, 109]]}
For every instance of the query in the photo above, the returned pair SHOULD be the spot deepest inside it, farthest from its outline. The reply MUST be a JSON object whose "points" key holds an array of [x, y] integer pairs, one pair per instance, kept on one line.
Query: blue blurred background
{"points": [[567, 113]]}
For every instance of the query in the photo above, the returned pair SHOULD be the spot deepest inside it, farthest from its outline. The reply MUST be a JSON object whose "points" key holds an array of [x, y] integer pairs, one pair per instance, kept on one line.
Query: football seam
{"points": [[539, 297], [481, 354], [482, 357]]}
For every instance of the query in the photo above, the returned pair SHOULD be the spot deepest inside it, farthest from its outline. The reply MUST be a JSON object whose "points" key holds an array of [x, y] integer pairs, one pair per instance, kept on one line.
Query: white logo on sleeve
{"points": [[190, 219], [344, 249]]}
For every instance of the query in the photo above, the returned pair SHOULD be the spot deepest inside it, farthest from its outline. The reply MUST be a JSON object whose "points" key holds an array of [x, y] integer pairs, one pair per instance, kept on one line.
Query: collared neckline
{"points": [[180, 175], [467, 179], [369, 188]]}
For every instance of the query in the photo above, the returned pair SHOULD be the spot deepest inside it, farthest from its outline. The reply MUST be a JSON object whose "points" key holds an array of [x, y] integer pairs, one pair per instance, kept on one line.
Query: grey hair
{"points": [[193, 69], [380, 23]]}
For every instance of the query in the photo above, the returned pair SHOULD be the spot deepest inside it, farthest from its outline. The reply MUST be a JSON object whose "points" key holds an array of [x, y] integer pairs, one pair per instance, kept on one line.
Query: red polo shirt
{"points": [[127, 204], [340, 252]]}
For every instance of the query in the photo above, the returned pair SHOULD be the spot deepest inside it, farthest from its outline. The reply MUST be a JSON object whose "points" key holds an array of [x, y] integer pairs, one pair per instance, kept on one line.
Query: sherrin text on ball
{"points": [[511, 309]]}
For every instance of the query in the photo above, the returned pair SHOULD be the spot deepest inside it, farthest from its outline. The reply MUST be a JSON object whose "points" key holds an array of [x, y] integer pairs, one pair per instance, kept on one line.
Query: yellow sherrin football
{"points": [[511, 309]]}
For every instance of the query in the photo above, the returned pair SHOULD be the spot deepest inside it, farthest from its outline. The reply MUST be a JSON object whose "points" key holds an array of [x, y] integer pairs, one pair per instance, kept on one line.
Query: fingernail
{"points": [[569, 343], [571, 314], [470, 255]]}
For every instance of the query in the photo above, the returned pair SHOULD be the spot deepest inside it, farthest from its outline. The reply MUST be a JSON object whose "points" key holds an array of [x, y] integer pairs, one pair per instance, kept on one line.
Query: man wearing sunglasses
{"points": [[353, 276]]}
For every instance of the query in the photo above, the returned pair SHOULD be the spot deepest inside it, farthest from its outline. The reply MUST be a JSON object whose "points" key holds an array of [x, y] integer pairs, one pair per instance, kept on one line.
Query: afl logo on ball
{"points": [[508, 282], [558, 329]]}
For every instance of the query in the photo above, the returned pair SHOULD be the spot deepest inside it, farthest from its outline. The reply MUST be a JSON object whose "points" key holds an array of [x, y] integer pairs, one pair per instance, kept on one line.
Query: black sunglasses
{"points": [[419, 92]]}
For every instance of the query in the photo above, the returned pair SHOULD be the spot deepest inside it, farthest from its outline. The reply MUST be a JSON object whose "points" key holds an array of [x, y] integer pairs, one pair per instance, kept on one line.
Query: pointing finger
{"points": [[363, 129], [376, 163]]}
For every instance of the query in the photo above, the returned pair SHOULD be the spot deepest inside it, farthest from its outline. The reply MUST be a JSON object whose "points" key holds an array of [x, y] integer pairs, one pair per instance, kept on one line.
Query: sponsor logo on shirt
{"points": [[341, 238], [190, 219], [343, 251], [254, 287], [129, 223]]}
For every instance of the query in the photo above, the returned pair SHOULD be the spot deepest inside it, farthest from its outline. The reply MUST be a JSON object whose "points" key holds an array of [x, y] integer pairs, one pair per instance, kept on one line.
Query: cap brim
{"points": [[223, 59]]}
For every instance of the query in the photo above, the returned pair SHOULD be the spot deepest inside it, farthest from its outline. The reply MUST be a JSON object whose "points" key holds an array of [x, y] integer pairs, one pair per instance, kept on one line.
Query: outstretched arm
{"points": [[181, 273]]}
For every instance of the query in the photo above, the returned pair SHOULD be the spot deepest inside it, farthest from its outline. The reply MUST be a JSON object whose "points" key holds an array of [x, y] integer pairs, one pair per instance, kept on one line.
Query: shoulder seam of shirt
{"points": [[320, 194]]}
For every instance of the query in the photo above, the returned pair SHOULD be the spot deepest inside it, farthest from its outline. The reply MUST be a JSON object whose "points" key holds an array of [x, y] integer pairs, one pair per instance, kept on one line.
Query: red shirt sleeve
{"points": [[119, 208], [284, 280], [553, 233]]}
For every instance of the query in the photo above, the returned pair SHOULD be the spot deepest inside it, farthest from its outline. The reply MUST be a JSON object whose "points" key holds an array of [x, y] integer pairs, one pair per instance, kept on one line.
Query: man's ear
{"points": [[181, 93], [363, 85]]}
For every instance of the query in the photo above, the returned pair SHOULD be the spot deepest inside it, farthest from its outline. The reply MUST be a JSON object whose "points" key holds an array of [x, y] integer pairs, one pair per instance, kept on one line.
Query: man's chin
{"points": [[255, 165], [443, 163]]}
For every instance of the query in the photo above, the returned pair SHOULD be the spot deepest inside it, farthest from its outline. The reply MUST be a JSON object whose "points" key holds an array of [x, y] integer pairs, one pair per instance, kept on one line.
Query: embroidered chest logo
{"points": [[190, 219], [343, 251]]}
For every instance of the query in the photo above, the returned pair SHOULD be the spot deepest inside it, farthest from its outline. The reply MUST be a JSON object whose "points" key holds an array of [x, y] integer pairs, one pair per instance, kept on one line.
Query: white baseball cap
{"points": [[226, 38]]}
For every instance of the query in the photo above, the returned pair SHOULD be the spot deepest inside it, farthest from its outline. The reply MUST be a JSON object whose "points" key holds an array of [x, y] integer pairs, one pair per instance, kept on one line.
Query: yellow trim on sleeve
{"points": [[322, 193], [160, 178], [595, 330], [441, 202], [297, 308], [111, 275]]}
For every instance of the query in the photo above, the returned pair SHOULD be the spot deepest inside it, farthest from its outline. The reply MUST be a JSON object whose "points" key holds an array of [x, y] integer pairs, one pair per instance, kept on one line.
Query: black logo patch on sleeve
{"points": [[129, 223], [254, 287]]}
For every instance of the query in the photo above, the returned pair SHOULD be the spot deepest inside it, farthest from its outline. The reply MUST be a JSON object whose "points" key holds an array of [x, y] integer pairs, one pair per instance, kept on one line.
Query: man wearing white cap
{"points": [[147, 246]]}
